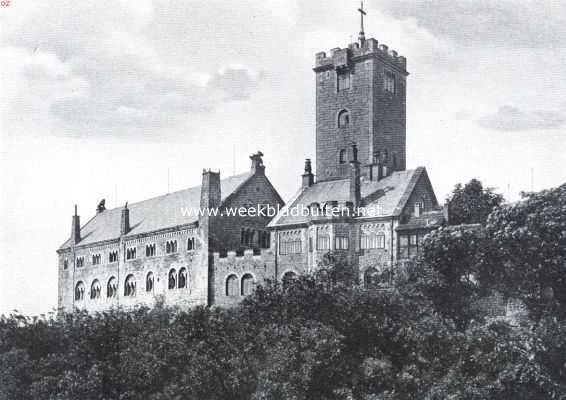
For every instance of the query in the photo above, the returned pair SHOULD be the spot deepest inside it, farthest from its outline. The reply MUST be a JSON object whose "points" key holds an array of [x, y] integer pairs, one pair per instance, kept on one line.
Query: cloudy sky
{"points": [[102, 99]]}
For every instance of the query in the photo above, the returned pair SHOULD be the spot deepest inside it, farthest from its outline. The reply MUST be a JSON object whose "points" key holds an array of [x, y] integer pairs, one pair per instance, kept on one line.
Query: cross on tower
{"points": [[362, 36]]}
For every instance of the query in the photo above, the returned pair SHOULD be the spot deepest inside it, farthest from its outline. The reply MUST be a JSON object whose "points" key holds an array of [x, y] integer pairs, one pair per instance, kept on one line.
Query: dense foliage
{"points": [[324, 336], [472, 203]]}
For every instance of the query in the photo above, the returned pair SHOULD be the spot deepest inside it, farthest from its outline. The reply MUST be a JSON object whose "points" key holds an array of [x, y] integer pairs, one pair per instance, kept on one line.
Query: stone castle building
{"points": [[363, 205]]}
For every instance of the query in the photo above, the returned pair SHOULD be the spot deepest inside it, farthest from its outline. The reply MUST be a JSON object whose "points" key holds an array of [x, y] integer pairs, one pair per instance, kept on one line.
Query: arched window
{"points": [[130, 286], [182, 278], [247, 284], [289, 277], [190, 244], [371, 277], [79, 291], [149, 282], [172, 281], [343, 119], [342, 157], [95, 289], [232, 286], [112, 287]]}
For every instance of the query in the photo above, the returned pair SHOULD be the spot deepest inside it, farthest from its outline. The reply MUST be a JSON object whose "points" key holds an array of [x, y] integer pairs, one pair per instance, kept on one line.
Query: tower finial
{"points": [[362, 36]]}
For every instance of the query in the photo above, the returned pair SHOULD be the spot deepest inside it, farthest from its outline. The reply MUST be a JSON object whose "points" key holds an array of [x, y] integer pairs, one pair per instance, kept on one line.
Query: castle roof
{"points": [[389, 195], [153, 214]]}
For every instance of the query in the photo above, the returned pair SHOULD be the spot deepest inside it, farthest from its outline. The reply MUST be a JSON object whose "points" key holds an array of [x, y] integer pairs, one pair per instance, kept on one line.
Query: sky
{"points": [[126, 100]]}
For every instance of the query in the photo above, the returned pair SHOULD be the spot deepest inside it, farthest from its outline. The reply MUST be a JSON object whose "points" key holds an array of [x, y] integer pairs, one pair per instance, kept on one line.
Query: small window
{"points": [[343, 119], [342, 157], [182, 278], [190, 244], [130, 286], [372, 240], [172, 281], [265, 240], [323, 241], [150, 250], [342, 242], [65, 263], [113, 257], [96, 259], [80, 262], [343, 81], [79, 291], [389, 82], [112, 288], [131, 253], [171, 246], [292, 245], [149, 282], [95, 290], [247, 284], [232, 286]]}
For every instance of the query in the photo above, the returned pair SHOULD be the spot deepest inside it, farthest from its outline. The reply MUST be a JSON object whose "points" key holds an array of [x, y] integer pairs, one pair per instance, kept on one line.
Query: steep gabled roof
{"points": [[389, 194], [153, 214]]}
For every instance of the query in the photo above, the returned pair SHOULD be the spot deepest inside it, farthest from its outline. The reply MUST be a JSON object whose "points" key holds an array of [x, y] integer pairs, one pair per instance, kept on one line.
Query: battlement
{"points": [[340, 57], [247, 255]]}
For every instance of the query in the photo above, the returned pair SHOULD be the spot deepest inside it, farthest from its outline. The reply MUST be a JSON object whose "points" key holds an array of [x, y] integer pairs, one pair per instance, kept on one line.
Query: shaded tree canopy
{"points": [[326, 336], [472, 203]]}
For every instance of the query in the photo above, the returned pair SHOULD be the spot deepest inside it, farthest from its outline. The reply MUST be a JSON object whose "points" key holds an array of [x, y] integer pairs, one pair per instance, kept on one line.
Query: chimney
{"points": [[355, 185], [257, 163], [125, 220], [210, 190], [308, 177], [76, 228]]}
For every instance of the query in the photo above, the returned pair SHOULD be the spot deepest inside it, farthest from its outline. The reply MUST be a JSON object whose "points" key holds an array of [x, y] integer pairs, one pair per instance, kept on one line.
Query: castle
{"points": [[363, 205]]}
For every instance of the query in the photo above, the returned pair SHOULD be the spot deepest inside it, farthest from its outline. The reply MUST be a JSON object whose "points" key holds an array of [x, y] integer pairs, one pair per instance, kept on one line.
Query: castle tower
{"points": [[360, 99]]}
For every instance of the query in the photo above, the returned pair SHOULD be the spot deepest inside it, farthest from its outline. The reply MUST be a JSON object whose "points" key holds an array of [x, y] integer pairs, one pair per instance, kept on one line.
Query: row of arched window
{"points": [[236, 287], [254, 238], [176, 280]]}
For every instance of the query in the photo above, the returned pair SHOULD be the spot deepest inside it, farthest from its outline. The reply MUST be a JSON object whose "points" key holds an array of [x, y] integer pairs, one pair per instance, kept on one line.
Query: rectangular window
{"points": [[409, 245], [80, 262], [372, 240], [290, 246], [323, 242], [342, 243], [389, 82], [343, 81]]}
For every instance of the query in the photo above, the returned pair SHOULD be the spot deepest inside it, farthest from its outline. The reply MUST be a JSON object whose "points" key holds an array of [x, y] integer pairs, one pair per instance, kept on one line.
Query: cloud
{"points": [[504, 23], [93, 71], [509, 118]]}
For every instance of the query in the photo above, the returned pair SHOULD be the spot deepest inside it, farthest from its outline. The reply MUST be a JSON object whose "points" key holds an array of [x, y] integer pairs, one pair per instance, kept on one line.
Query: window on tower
{"points": [[389, 82], [343, 81], [343, 119], [342, 157]]}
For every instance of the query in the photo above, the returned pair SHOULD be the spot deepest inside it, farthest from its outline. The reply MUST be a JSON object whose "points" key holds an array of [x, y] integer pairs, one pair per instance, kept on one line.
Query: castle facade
{"points": [[362, 205]]}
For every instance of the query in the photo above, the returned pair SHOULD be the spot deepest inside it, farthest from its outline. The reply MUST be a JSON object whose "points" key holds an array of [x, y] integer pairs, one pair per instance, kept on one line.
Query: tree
{"points": [[472, 203], [530, 237]]}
